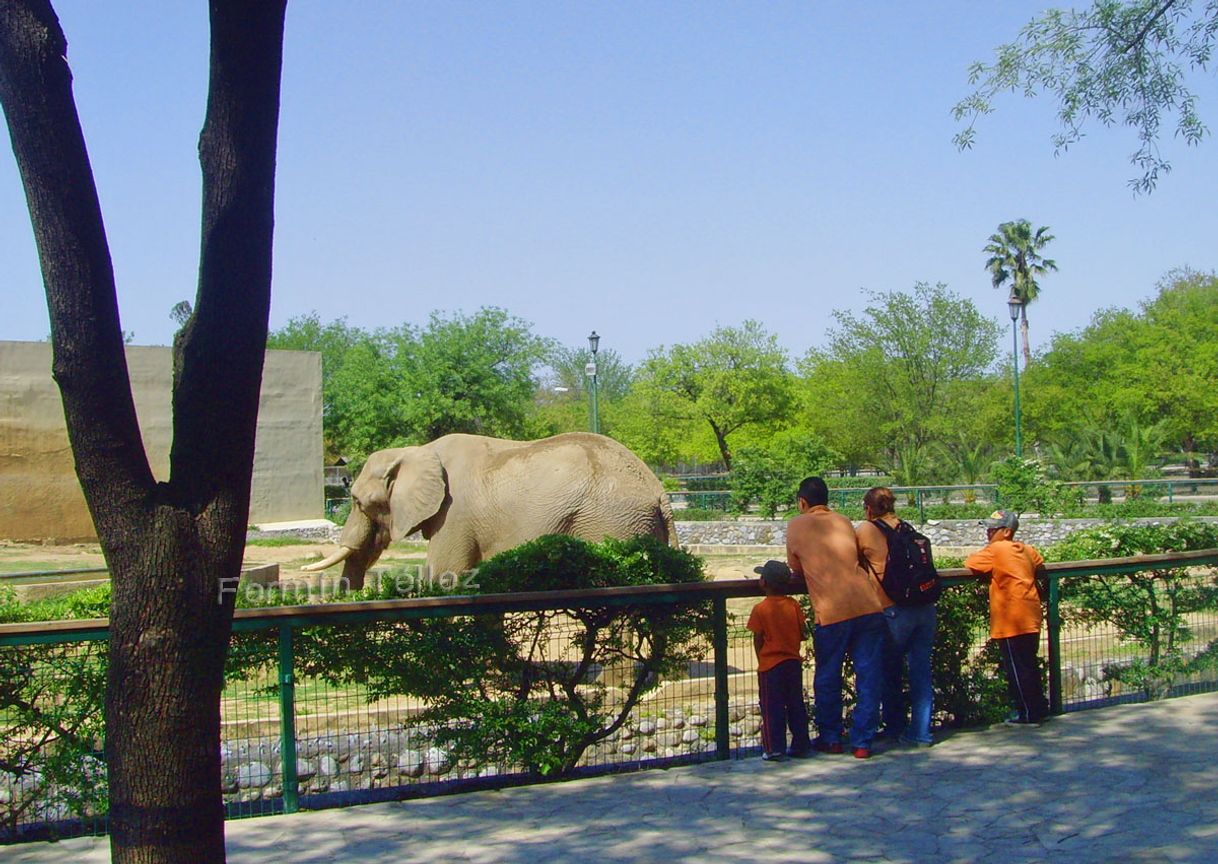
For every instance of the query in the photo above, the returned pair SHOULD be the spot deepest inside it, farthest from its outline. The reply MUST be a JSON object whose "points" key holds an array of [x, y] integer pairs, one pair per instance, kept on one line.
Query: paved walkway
{"points": [[1137, 783]]}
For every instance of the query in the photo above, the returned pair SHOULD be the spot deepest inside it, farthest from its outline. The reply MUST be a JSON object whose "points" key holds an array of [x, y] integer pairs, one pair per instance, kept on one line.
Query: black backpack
{"points": [[910, 578]]}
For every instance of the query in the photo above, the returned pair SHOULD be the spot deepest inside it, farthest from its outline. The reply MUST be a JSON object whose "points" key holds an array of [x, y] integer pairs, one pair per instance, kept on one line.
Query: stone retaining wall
{"points": [[942, 532]]}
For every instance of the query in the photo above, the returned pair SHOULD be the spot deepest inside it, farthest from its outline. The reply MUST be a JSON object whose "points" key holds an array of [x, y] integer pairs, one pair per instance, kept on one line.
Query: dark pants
{"points": [[1023, 675], [862, 639], [782, 705]]}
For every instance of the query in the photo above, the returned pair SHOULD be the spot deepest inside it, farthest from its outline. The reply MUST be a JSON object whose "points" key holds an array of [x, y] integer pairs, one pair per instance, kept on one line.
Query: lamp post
{"points": [[594, 342], [1015, 307]]}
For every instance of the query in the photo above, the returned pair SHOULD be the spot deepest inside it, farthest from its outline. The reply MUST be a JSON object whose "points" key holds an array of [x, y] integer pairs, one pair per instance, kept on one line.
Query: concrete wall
{"points": [[40, 497], [943, 533]]}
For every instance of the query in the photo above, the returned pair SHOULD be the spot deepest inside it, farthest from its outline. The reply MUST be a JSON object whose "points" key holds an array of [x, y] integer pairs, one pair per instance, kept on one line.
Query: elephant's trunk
{"points": [[366, 539]]}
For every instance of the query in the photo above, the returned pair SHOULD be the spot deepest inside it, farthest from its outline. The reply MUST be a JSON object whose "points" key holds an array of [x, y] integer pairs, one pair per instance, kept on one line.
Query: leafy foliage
{"points": [[968, 687], [1025, 486], [1150, 608], [733, 378], [521, 688], [1115, 61], [1153, 369], [896, 378], [769, 475], [51, 724]]}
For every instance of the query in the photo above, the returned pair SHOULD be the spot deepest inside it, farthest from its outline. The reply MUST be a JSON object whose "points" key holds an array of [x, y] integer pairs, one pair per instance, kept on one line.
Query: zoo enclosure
{"points": [[290, 738]]}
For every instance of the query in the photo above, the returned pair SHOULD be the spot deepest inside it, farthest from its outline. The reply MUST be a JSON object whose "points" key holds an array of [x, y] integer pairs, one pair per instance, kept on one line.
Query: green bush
{"points": [[969, 688], [769, 475], [699, 514], [1025, 487], [1151, 608], [51, 717], [494, 696]]}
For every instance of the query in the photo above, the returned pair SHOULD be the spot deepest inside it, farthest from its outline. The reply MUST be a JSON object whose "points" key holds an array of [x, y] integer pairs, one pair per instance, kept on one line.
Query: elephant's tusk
{"points": [[338, 557]]}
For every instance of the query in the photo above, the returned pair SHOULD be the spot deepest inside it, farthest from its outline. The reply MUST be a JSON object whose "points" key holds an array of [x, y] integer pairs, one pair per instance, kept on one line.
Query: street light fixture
{"points": [[1015, 306], [594, 342]]}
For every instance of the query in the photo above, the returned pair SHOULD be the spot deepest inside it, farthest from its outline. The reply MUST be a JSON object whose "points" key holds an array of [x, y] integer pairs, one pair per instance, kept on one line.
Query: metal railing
{"points": [[293, 737], [920, 497]]}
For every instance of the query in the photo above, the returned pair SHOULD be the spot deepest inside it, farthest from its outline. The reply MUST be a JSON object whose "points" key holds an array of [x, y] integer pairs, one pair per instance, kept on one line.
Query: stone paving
{"points": [[1136, 783]]}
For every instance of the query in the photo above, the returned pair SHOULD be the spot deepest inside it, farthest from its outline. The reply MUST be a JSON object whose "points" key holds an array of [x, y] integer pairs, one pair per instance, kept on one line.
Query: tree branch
{"points": [[219, 356]]}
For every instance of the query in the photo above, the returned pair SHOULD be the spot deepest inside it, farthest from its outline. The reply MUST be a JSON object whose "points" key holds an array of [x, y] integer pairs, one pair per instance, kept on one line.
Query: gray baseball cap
{"points": [[774, 572], [1002, 519]]}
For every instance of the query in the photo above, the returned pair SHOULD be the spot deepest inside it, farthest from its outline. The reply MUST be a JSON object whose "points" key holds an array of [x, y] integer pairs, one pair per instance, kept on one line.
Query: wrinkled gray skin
{"points": [[473, 497]]}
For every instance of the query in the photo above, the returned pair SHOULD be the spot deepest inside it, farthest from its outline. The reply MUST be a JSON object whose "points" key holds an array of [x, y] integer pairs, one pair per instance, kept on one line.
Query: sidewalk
{"points": [[1136, 783]]}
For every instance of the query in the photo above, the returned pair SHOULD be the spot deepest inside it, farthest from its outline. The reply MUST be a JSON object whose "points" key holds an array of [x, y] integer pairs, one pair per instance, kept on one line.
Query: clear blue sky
{"points": [[649, 170]]}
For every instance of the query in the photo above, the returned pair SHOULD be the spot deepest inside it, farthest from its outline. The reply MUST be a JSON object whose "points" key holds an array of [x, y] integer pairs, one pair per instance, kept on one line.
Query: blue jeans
{"points": [[863, 639], [911, 639]]}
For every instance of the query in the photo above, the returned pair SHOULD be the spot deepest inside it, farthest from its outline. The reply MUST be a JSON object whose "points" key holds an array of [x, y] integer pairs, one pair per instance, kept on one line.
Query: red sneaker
{"points": [[825, 747], [861, 753]]}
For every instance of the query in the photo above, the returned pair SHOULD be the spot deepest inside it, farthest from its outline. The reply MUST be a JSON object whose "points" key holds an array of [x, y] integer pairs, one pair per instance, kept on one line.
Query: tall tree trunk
{"points": [[171, 547], [721, 439]]}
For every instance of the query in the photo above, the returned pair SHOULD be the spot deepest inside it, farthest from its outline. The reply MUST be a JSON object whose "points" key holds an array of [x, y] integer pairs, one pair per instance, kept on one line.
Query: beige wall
{"points": [[40, 498]]}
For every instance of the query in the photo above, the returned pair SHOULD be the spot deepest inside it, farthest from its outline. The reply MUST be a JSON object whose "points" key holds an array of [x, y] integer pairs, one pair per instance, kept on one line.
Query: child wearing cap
{"points": [[1014, 569], [778, 626]]}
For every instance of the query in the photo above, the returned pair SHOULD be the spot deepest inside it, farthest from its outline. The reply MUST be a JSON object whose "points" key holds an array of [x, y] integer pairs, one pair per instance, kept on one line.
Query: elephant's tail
{"points": [[670, 526]]}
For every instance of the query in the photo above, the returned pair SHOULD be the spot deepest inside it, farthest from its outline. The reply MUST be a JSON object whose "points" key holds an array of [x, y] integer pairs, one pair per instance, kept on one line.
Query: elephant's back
{"points": [[582, 484]]}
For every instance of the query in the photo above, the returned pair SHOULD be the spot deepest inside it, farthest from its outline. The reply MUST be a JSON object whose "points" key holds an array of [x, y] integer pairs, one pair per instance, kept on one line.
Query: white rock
{"points": [[436, 761], [661, 723], [305, 769], [647, 727], [411, 763], [254, 775], [628, 748], [697, 720], [328, 766], [690, 736]]}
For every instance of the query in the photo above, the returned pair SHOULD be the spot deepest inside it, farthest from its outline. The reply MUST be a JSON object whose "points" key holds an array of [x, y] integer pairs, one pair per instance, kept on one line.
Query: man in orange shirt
{"points": [[846, 604], [1014, 569], [778, 627]]}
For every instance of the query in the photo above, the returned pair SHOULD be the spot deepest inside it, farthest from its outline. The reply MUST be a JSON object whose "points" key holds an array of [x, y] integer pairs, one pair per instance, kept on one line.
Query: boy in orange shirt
{"points": [[778, 626], [1014, 569]]}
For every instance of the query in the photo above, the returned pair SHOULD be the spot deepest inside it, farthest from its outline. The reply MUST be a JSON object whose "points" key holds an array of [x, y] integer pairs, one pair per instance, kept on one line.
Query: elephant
{"points": [[473, 496]]}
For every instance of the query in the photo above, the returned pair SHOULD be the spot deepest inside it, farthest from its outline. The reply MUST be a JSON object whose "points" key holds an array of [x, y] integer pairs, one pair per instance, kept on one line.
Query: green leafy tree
{"points": [[1016, 261], [468, 373], [769, 475], [1114, 61], [568, 370], [658, 426], [733, 378], [1157, 364], [904, 369]]}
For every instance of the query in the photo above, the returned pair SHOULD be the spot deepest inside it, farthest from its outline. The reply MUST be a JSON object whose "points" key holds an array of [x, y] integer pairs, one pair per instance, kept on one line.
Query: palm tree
{"points": [[1015, 256]]}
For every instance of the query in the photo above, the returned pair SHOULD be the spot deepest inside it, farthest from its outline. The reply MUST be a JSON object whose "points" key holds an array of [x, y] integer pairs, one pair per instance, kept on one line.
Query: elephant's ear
{"points": [[417, 490]]}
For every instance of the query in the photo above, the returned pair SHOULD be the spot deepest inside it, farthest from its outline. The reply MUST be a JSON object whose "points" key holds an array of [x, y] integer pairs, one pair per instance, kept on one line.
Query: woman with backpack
{"points": [[901, 560]]}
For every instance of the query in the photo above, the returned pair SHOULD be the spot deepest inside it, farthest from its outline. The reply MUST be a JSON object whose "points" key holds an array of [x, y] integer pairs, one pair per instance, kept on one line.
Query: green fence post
{"points": [[287, 720], [723, 745], [1055, 644], [921, 508], [1171, 488]]}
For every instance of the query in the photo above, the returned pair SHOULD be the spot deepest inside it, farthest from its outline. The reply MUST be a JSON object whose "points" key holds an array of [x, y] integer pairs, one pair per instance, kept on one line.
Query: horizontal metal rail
{"points": [[263, 618]]}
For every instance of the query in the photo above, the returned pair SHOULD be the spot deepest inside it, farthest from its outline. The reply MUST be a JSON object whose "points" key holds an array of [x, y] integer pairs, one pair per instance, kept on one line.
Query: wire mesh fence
{"points": [[329, 705]]}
